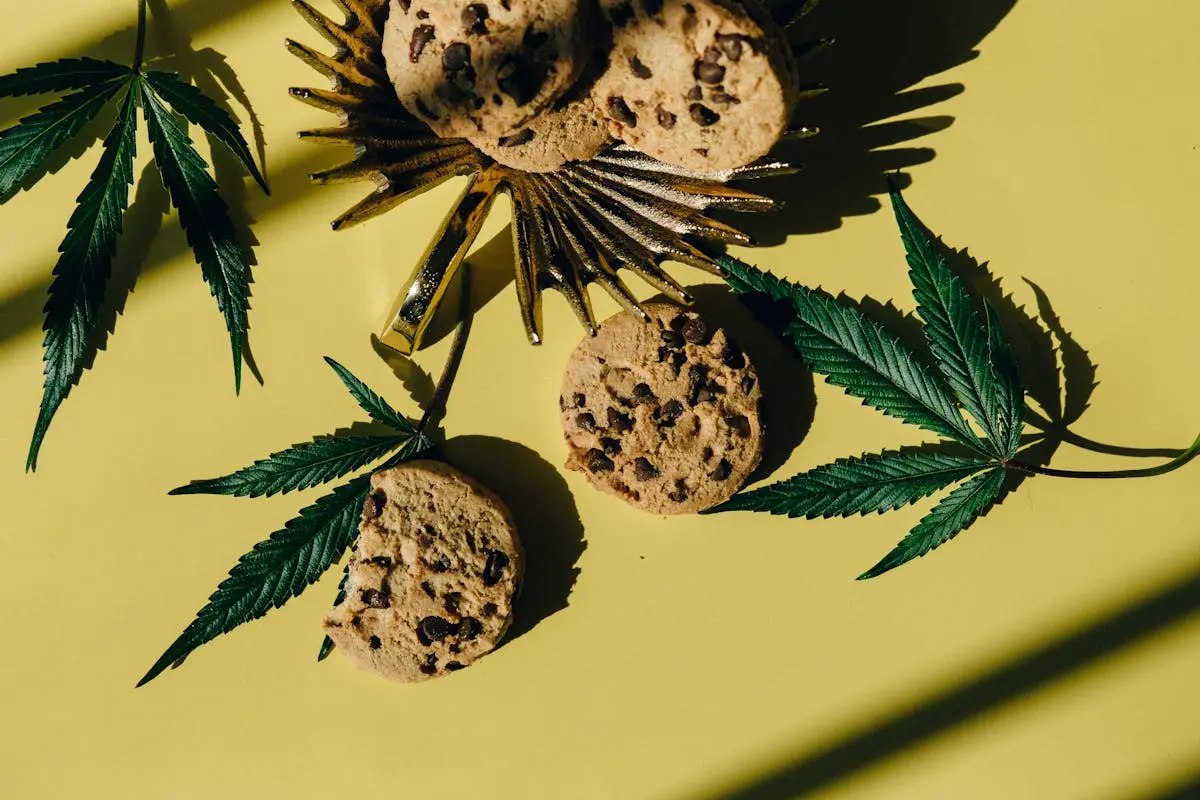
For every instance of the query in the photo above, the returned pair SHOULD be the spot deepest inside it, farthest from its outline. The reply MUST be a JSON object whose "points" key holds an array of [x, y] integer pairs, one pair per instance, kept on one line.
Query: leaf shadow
{"points": [[545, 515], [881, 51]]}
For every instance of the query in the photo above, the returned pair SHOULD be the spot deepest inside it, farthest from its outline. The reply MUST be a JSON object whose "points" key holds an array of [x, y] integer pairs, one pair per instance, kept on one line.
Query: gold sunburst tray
{"points": [[575, 226]]}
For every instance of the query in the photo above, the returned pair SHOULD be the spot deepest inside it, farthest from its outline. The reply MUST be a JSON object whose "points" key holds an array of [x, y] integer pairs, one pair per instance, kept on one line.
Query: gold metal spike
{"points": [[573, 227]]}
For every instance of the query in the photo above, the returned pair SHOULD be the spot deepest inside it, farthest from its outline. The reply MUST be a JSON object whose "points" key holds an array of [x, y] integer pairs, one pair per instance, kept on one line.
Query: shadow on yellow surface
{"points": [[881, 50], [544, 512], [1079, 648]]}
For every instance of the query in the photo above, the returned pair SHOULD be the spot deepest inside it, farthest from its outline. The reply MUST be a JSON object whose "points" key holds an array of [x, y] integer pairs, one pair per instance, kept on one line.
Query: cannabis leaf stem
{"points": [[1146, 472], [140, 47]]}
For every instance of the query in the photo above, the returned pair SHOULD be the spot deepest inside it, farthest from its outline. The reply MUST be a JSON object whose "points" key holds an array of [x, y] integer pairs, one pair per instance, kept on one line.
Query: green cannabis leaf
{"points": [[282, 566], [275, 571], [80, 277], [973, 368]]}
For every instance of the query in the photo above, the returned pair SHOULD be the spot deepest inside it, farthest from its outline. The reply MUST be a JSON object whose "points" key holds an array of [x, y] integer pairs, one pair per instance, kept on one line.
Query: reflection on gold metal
{"points": [[572, 227]]}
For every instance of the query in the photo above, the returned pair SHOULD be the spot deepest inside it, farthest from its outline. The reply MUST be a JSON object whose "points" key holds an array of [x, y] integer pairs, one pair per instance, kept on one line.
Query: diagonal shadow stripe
{"points": [[21, 307], [1071, 652]]}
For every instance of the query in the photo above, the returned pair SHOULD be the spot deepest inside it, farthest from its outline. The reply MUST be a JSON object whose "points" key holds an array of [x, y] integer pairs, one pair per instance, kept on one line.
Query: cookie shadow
{"points": [[545, 515], [789, 395]]}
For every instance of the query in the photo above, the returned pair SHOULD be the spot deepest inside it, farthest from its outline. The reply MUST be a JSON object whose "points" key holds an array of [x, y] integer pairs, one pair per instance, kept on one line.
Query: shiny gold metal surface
{"points": [[578, 225]]}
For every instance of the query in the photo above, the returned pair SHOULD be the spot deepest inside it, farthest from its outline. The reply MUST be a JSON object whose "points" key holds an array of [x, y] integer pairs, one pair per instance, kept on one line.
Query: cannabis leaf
{"points": [[954, 514], [874, 483], [960, 342], [975, 369], [858, 355], [80, 276], [301, 467], [369, 401], [282, 566]]}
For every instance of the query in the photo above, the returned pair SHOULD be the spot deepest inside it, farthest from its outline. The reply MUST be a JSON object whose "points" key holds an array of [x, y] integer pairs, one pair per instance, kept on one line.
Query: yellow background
{"points": [[1049, 652]]}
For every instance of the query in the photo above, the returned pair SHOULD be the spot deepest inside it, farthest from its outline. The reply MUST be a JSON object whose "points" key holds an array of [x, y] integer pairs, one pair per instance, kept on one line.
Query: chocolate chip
{"points": [[493, 571], [708, 72], [702, 151], [580, 400], [533, 39], [506, 5], [703, 115], [747, 384], [722, 471], [356, 622], [662, 354], [516, 139], [611, 446], [373, 507], [644, 470], [695, 93], [672, 338], [620, 111], [730, 44], [562, 403], [740, 425], [470, 537], [381, 561], [680, 492], [441, 565], [405, 5], [703, 395], [622, 423], [665, 118], [671, 411], [434, 629], [732, 357], [587, 422], [518, 80], [697, 373], [423, 35], [724, 98], [453, 666], [427, 588], [490, 609], [639, 69], [622, 14], [474, 18], [598, 462], [430, 665], [375, 643], [678, 359], [696, 331], [451, 600], [469, 628], [374, 598], [653, 7], [707, 453], [642, 393], [454, 648], [456, 56], [422, 14]]}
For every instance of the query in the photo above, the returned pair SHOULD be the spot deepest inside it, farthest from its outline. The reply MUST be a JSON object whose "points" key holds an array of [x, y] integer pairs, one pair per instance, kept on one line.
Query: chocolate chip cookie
{"points": [[662, 413], [431, 583], [482, 68], [573, 131], [702, 84]]}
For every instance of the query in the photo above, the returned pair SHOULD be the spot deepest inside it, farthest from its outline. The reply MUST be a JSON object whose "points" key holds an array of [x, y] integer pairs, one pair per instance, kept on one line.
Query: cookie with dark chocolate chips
{"points": [[431, 583], [702, 84], [670, 415], [485, 68]]}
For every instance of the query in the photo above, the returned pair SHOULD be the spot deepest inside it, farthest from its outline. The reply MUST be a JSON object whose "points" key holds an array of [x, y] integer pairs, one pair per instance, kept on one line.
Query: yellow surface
{"points": [[1049, 652]]}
